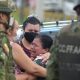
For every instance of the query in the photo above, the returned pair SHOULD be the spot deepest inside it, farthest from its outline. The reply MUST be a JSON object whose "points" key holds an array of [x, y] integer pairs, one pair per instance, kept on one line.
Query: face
{"points": [[32, 28], [2, 28], [37, 47], [3, 17]]}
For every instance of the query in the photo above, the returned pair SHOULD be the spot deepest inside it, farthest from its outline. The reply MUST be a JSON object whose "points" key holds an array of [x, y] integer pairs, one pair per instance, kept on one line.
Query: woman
{"points": [[41, 45], [23, 60]]}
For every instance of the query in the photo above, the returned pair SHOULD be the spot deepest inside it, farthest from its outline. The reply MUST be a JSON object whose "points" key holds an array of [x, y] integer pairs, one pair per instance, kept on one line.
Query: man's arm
{"points": [[23, 76]]}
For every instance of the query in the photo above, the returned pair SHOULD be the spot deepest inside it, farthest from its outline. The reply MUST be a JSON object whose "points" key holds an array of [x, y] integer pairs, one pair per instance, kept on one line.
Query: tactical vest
{"points": [[64, 63], [6, 59]]}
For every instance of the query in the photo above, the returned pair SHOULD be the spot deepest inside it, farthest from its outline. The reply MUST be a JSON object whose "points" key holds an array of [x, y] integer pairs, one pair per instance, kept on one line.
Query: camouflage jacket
{"points": [[53, 63], [6, 59]]}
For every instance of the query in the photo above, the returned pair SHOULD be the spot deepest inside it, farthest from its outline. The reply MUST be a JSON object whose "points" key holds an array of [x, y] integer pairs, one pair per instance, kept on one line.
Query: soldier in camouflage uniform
{"points": [[6, 59], [64, 62]]}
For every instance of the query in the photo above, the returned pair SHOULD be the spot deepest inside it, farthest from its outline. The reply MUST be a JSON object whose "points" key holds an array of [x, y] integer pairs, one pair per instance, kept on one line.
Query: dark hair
{"points": [[32, 20], [46, 40]]}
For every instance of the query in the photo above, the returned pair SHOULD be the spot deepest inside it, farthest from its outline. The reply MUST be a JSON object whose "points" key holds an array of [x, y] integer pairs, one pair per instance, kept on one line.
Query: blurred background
{"points": [[45, 10]]}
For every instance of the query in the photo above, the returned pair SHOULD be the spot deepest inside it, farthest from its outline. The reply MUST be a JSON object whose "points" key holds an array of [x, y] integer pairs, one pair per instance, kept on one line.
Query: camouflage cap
{"points": [[5, 8]]}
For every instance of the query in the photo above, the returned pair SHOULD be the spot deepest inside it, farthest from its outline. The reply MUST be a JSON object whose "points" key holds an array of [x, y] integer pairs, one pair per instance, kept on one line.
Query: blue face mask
{"points": [[29, 36]]}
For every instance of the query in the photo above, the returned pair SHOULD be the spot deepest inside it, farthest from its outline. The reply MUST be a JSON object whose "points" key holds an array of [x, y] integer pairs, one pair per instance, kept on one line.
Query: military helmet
{"points": [[76, 7], [5, 6]]}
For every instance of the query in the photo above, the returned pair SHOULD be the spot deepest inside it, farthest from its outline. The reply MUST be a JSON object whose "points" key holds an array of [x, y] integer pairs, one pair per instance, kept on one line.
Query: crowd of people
{"points": [[24, 53], [27, 58]]}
